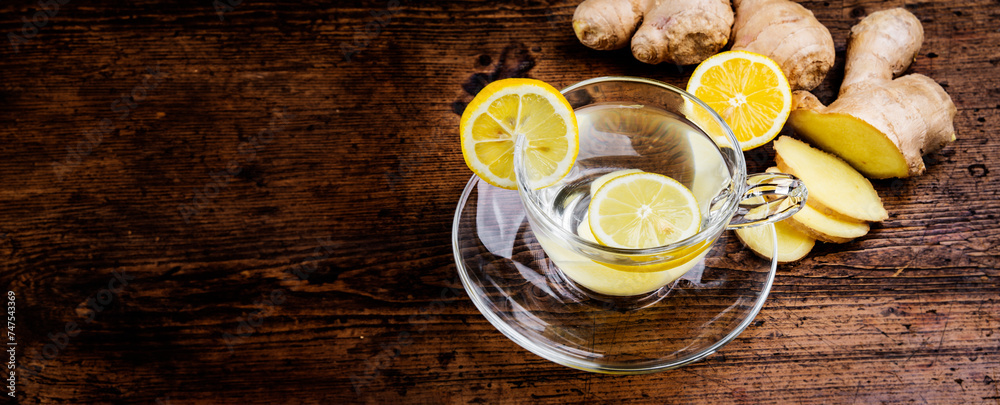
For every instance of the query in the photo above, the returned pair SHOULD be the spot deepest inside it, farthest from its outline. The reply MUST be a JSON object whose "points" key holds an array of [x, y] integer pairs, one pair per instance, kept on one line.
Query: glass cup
{"points": [[629, 123]]}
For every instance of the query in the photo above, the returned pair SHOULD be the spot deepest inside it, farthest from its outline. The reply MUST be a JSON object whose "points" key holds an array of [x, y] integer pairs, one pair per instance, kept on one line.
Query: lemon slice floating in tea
{"points": [[508, 108], [748, 91], [643, 210]]}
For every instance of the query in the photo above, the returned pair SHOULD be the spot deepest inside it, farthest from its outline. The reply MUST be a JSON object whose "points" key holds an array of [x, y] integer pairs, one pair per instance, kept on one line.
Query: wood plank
{"points": [[363, 165]]}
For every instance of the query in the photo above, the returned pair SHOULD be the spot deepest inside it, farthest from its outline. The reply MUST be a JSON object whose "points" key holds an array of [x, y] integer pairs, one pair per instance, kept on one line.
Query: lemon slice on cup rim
{"points": [[748, 90], [507, 109]]}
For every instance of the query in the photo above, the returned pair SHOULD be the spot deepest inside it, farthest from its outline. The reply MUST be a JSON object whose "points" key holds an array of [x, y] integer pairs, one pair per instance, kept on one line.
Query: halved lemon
{"points": [[748, 91], [643, 210], [509, 108]]}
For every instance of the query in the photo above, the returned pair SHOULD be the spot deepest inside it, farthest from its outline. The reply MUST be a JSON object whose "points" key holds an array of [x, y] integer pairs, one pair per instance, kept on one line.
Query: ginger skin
{"points": [[787, 33], [683, 32], [880, 125], [608, 24]]}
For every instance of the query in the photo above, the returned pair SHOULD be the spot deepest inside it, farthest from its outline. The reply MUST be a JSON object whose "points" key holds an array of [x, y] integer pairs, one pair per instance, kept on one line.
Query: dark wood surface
{"points": [[280, 211]]}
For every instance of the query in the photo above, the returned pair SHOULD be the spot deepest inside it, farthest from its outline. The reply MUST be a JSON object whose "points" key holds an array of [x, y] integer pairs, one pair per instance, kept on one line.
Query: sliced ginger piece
{"points": [[824, 227], [792, 244], [835, 188]]}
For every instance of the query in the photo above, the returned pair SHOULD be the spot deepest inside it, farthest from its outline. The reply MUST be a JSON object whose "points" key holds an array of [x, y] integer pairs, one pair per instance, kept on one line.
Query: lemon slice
{"points": [[596, 185], [643, 210], [748, 91], [508, 108], [792, 244]]}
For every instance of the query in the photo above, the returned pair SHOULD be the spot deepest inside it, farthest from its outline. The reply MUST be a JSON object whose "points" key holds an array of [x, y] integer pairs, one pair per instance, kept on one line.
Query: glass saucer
{"points": [[526, 297]]}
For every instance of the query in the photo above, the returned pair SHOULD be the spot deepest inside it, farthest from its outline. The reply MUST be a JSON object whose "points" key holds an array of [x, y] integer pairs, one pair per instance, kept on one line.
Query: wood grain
{"points": [[324, 252]]}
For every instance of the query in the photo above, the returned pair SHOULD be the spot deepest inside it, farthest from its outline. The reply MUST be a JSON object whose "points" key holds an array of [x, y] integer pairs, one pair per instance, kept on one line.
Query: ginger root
{"points": [[880, 125], [787, 33], [684, 32], [608, 24]]}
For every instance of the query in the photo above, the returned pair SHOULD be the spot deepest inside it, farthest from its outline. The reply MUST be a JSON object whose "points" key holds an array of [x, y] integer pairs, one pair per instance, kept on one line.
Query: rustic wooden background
{"points": [[251, 202]]}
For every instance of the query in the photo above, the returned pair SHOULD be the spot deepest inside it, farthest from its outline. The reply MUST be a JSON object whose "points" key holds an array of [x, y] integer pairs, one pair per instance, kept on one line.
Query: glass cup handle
{"points": [[770, 197]]}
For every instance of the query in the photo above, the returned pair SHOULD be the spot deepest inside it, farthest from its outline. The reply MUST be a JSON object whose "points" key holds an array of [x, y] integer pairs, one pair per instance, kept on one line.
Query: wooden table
{"points": [[248, 202]]}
